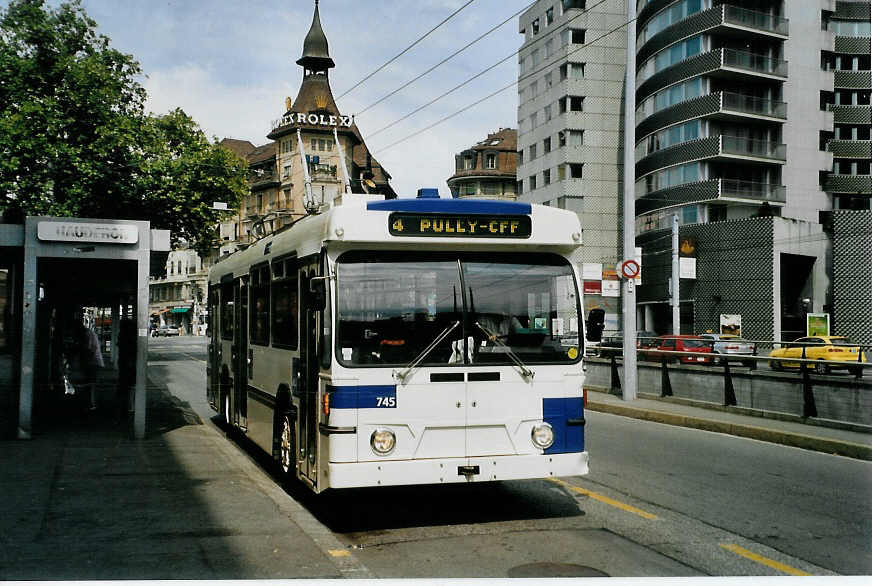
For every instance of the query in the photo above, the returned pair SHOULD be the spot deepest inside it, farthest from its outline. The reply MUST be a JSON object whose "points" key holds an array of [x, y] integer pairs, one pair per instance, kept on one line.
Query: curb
{"points": [[808, 442]]}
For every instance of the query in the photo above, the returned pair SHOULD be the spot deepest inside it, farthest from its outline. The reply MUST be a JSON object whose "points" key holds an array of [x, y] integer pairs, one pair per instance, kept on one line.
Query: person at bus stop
{"points": [[91, 360]]}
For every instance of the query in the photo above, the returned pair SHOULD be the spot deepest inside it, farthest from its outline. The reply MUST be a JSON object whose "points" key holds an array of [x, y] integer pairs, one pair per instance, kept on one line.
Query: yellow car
{"points": [[819, 348]]}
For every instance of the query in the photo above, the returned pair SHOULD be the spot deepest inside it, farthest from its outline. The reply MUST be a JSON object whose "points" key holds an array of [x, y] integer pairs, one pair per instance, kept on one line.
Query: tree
{"points": [[75, 139]]}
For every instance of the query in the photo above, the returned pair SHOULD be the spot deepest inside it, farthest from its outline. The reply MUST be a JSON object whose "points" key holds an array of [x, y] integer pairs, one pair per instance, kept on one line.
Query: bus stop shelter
{"points": [[73, 262]]}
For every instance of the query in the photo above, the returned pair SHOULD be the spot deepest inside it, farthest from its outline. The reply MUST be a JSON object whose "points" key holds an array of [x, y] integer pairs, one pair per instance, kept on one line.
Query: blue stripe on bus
{"points": [[556, 412], [450, 206], [363, 397]]}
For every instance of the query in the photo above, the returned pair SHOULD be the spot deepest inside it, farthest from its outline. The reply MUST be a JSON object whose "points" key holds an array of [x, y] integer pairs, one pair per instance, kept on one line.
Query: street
{"points": [[659, 501]]}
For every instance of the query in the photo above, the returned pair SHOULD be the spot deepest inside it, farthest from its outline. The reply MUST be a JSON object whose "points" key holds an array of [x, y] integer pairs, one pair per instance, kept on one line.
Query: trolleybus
{"points": [[405, 341]]}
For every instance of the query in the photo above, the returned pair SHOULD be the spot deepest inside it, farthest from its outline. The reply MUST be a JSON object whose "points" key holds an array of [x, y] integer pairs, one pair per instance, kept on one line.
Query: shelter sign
{"points": [[87, 232]]}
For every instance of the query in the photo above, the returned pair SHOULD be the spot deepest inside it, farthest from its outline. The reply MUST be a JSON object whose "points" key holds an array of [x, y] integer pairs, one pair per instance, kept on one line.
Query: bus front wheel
{"points": [[287, 446]]}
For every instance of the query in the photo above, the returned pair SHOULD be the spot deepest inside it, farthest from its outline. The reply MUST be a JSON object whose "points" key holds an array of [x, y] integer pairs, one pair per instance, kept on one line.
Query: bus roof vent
{"points": [[428, 193]]}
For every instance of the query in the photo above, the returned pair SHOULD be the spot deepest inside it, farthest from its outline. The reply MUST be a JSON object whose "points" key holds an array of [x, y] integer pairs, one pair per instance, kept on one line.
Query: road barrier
{"points": [[805, 394]]}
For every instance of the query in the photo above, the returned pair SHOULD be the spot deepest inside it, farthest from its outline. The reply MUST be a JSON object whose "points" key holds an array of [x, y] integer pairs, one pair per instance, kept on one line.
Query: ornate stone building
{"points": [[312, 138], [488, 170]]}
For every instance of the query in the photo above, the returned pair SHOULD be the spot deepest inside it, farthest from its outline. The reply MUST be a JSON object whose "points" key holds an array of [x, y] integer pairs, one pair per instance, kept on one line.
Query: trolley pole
{"points": [[628, 285]]}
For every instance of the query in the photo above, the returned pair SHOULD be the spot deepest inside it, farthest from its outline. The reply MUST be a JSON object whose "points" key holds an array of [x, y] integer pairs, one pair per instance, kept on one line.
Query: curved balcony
{"points": [[851, 114], [717, 148], [852, 45], [848, 184], [854, 80], [850, 149], [725, 20], [730, 64], [720, 106], [725, 190]]}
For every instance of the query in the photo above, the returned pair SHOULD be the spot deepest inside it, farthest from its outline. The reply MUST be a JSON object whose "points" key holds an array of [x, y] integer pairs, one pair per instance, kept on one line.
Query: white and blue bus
{"points": [[405, 341]]}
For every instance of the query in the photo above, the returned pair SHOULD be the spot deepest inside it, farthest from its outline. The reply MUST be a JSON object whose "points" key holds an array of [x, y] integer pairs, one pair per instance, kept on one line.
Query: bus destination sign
{"points": [[460, 225]]}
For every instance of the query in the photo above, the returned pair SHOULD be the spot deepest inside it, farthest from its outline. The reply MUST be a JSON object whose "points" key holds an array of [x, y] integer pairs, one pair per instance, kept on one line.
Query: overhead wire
{"points": [[504, 88], [404, 51], [450, 57], [494, 66]]}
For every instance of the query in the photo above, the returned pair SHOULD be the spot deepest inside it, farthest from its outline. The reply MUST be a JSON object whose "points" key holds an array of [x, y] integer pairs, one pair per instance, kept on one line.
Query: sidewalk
{"points": [[712, 417], [84, 501]]}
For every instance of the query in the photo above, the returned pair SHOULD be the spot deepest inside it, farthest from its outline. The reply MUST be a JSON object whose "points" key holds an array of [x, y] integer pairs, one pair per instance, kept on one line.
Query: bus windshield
{"points": [[392, 306]]}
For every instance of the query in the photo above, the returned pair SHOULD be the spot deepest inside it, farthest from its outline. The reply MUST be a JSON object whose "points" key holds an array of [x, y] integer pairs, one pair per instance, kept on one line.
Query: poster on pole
{"points": [[731, 324], [817, 324]]}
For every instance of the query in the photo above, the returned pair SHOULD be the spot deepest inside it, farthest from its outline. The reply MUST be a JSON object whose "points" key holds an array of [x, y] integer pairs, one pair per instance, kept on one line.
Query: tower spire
{"points": [[316, 54]]}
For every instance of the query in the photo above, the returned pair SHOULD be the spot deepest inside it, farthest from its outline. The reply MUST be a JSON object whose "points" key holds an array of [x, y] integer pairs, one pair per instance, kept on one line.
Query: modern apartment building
{"points": [[487, 170], [570, 126], [332, 146], [747, 131]]}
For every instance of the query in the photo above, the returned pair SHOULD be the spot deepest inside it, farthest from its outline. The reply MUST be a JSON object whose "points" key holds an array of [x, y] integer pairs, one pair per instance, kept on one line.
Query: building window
{"points": [[468, 162], [535, 27], [547, 113], [520, 187], [534, 57], [260, 294], [546, 177], [567, 4], [576, 103], [469, 189], [546, 145], [491, 189], [549, 16], [549, 48], [561, 138], [313, 143], [532, 181], [575, 138], [532, 151], [548, 79], [575, 170], [286, 171], [491, 161], [574, 36], [520, 157]]}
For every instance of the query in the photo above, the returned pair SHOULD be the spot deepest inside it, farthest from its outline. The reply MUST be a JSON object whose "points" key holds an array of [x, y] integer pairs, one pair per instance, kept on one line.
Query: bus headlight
{"points": [[542, 435], [383, 441]]}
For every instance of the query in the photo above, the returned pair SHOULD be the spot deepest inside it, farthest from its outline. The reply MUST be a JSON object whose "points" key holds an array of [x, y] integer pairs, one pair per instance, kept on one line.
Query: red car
{"points": [[683, 343]]}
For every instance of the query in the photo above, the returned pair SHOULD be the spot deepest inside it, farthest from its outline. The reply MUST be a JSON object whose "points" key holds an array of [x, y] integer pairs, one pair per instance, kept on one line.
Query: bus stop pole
{"points": [[628, 289], [139, 401]]}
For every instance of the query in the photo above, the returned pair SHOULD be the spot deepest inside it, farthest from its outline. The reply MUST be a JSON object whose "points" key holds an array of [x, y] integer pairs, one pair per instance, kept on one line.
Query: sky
{"points": [[230, 65]]}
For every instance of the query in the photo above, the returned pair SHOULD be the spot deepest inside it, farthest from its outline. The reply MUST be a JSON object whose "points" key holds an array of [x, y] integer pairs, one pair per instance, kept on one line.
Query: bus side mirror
{"points": [[318, 292]]}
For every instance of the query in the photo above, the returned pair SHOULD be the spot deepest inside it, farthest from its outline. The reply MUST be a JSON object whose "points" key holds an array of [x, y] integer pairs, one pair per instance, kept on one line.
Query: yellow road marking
{"points": [[339, 553], [605, 499], [762, 560]]}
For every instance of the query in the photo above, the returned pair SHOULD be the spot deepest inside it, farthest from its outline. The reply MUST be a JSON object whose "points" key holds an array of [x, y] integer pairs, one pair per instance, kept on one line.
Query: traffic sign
{"points": [[630, 269]]}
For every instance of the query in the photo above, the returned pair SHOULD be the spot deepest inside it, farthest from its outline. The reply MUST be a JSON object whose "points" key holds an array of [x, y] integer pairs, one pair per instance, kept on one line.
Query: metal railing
{"points": [[754, 62], [752, 190], [754, 19], [754, 105], [750, 147]]}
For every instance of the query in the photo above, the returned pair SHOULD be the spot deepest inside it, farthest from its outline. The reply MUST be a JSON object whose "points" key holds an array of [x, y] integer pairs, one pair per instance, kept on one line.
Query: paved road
{"points": [[660, 501]]}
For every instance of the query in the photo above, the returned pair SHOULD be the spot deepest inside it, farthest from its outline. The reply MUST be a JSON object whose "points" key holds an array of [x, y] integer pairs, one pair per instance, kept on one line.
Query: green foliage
{"points": [[75, 139]]}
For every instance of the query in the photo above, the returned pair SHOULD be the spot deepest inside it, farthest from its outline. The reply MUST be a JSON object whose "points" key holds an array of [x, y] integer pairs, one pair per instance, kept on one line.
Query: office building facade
{"points": [[570, 116], [752, 127]]}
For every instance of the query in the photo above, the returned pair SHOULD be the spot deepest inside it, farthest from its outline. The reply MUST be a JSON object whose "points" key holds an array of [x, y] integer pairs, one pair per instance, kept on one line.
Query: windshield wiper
{"points": [[401, 375], [525, 372]]}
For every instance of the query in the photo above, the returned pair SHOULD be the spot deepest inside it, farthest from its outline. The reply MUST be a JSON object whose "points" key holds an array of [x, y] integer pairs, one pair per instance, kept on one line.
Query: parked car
{"points": [[680, 343], [820, 348], [167, 331], [615, 344], [731, 347]]}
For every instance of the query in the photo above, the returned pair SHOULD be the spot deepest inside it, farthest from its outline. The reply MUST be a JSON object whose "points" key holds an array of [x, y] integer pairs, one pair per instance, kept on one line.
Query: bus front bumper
{"points": [[455, 470]]}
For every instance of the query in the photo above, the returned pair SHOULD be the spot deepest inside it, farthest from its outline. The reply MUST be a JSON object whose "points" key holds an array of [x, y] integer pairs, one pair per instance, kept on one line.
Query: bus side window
{"points": [[260, 289]]}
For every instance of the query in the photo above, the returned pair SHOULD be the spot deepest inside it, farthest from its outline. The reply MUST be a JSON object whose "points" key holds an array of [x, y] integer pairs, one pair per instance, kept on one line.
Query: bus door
{"points": [[241, 357], [213, 367], [309, 371]]}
